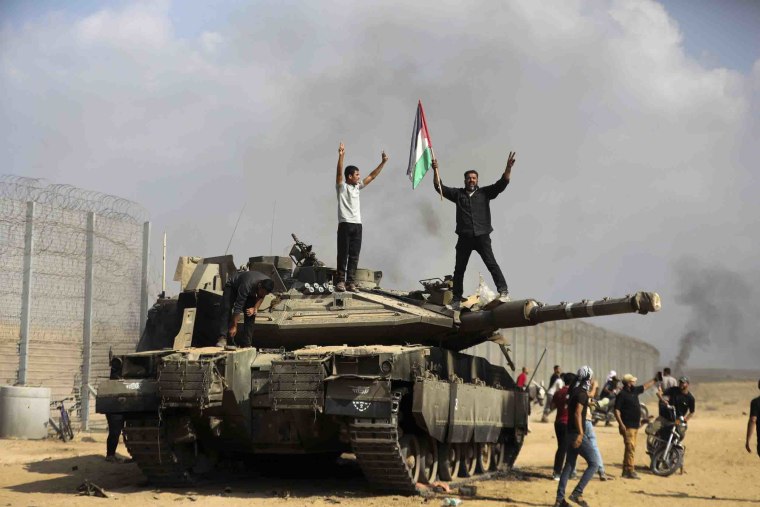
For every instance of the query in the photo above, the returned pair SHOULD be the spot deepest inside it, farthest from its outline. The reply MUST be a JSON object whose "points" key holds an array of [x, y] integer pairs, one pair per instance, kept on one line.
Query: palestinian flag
{"points": [[421, 152]]}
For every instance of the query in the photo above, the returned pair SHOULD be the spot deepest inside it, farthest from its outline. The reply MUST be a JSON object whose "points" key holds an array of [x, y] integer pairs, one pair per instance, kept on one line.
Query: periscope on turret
{"points": [[378, 373]]}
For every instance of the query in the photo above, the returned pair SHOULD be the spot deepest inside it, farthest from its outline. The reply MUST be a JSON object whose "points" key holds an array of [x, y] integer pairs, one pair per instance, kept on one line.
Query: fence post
{"points": [[26, 295], [84, 393], [144, 287]]}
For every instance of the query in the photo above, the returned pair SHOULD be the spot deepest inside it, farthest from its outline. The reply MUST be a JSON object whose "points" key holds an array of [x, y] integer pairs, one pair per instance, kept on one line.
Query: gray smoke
{"points": [[430, 218], [719, 300]]}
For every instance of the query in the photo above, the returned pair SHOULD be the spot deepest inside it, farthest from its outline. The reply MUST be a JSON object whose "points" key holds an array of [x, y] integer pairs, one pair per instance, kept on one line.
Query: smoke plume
{"points": [[718, 299]]}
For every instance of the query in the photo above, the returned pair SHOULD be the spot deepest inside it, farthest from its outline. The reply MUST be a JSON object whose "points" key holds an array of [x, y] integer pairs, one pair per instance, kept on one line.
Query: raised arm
{"points": [[494, 190], [376, 172], [510, 162], [448, 192], [339, 173]]}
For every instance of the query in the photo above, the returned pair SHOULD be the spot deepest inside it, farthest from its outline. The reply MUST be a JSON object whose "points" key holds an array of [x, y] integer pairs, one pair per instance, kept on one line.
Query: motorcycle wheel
{"points": [[644, 412], [664, 468]]}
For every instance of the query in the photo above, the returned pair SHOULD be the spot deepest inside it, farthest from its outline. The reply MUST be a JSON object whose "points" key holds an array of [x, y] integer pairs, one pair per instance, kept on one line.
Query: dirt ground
{"points": [[718, 471]]}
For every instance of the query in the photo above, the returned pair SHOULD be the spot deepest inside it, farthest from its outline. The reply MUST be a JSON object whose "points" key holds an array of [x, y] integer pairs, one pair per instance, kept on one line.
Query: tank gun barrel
{"points": [[529, 312]]}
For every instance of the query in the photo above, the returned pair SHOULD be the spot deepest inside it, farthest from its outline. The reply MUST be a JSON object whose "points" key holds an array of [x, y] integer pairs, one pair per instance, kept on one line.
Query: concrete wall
{"points": [[572, 344]]}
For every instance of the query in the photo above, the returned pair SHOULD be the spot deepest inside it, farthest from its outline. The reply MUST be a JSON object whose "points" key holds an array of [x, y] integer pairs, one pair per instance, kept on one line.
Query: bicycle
{"points": [[63, 428]]}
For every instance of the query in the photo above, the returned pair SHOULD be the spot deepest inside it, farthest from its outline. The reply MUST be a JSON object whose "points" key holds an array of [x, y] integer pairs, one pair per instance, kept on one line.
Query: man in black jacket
{"points": [[243, 294], [474, 224]]}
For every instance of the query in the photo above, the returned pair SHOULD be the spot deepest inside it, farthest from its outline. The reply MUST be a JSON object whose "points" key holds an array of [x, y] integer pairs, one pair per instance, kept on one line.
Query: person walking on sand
{"points": [[754, 422], [579, 443]]}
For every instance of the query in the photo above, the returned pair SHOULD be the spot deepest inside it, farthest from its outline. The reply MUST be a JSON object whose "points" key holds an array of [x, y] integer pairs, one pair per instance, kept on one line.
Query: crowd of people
{"points": [[573, 395]]}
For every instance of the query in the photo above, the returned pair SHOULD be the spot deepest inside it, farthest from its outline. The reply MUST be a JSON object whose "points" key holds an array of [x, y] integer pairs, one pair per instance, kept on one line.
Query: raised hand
{"points": [[511, 160], [384, 157], [341, 149]]}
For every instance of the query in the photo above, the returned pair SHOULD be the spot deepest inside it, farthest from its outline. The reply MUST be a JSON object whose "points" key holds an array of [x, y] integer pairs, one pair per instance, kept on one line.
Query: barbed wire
{"points": [[57, 286]]}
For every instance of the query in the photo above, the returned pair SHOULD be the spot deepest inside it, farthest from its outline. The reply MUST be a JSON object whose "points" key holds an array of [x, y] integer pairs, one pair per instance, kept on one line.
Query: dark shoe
{"points": [[579, 500], [340, 287], [561, 503], [351, 287], [631, 475], [573, 475], [112, 459], [604, 477]]}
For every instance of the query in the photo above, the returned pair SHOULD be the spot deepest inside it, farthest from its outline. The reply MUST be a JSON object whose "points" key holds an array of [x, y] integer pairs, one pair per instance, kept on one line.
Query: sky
{"points": [[635, 125]]}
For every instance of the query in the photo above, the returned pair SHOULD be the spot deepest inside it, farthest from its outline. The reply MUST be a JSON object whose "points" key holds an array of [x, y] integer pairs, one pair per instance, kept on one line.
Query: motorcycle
{"points": [[602, 411], [537, 393], [665, 443]]}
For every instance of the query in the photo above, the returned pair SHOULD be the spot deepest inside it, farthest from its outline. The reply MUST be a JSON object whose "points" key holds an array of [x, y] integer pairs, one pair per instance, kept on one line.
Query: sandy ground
{"points": [[718, 471]]}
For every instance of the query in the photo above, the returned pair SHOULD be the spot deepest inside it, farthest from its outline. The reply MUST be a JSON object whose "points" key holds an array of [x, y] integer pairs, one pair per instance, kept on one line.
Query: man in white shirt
{"points": [[350, 219]]}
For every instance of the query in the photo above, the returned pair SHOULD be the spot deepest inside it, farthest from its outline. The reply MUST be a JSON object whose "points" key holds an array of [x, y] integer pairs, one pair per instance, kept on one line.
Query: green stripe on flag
{"points": [[424, 163]]}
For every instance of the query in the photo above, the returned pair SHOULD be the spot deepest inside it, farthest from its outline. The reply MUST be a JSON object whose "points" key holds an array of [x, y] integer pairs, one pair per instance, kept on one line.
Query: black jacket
{"points": [[474, 212], [243, 284]]}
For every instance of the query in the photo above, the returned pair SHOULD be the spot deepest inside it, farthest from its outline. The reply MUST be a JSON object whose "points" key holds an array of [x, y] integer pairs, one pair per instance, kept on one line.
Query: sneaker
{"points": [[555, 477], [579, 500], [604, 477], [504, 296], [340, 287], [222, 342], [573, 475], [631, 475], [455, 305], [561, 503], [112, 459], [351, 287]]}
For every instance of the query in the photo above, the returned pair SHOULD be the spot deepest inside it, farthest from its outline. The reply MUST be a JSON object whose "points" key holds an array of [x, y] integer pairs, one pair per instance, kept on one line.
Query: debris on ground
{"points": [[468, 490], [88, 488]]}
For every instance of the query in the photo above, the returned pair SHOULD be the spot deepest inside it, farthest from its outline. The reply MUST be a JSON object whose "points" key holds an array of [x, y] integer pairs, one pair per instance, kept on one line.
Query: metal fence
{"points": [[73, 284], [572, 344]]}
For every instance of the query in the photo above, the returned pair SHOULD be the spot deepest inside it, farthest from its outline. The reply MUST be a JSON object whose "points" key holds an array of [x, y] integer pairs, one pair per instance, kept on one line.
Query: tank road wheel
{"points": [[429, 460], [498, 451], [485, 458], [448, 461], [412, 454], [469, 454]]}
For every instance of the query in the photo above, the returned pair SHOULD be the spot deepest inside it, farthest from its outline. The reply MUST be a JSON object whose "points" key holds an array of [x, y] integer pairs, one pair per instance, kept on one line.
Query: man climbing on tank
{"points": [[474, 225], [350, 219], [243, 294]]}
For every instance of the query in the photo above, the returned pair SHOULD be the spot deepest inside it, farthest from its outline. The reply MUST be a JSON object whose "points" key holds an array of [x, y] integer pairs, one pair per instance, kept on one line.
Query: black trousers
{"points": [[349, 247], [560, 429], [115, 426], [244, 339], [482, 245]]}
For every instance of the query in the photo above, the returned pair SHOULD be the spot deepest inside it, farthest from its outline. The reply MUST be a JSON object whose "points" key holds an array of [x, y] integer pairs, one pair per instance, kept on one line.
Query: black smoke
{"points": [[720, 302]]}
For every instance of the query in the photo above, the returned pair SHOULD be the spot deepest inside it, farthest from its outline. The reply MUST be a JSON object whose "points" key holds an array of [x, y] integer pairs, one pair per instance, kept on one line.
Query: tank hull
{"points": [[392, 406]]}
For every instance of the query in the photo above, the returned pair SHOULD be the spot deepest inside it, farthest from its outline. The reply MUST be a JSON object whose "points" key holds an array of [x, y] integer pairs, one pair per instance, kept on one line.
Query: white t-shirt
{"points": [[348, 203]]}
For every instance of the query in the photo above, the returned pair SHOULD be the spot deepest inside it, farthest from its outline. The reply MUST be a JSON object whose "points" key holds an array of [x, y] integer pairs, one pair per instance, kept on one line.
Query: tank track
{"points": [[147, 443], [375, 443]]}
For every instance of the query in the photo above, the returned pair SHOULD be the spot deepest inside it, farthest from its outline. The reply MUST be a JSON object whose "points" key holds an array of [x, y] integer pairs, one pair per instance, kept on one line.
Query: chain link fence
{"points": [[72, 271]]}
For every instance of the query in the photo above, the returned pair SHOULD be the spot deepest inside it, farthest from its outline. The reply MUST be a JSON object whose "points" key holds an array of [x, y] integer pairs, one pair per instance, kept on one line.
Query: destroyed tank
{"points": [[378, 373]]}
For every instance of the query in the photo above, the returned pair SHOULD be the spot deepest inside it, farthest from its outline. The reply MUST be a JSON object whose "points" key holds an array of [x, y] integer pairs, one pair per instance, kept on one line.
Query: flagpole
{"points": [[424, 122], [437, 176]]}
